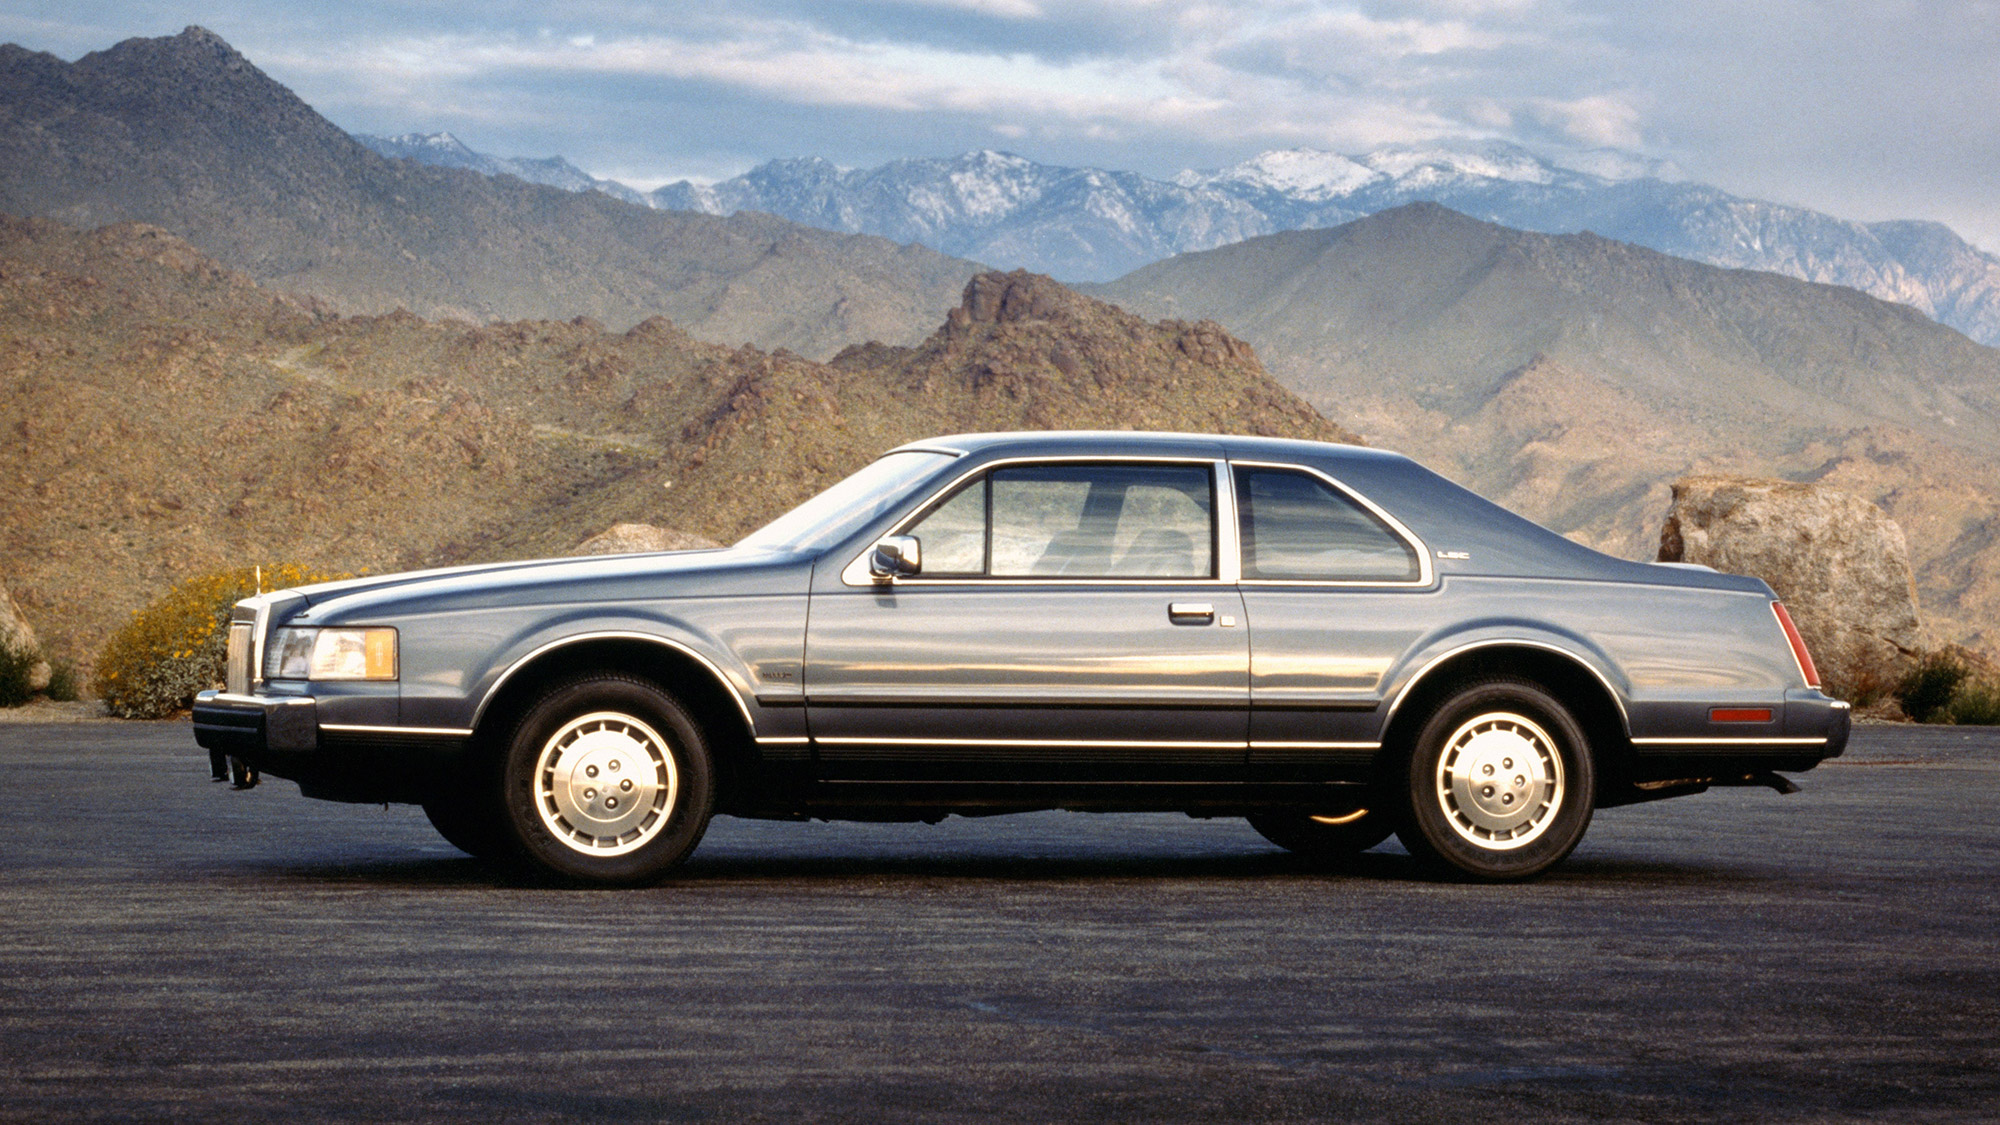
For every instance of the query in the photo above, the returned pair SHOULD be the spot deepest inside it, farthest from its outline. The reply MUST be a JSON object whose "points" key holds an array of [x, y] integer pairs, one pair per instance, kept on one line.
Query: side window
{"points": [[953, 535], [1097, 521], [1297, 527]]}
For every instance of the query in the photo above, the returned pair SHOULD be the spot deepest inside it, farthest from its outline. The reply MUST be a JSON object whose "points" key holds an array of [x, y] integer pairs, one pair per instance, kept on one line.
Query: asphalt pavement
{"points": [[173, 950]]}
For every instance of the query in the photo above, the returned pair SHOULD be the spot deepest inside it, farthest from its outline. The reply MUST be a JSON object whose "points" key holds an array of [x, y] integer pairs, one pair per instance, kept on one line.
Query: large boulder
{"points": [[17, 635], [1839, 562], [628, 538]]}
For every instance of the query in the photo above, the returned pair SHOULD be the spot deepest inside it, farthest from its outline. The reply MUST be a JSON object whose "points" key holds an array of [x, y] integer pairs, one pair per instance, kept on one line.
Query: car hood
{"points": [[605, 578]]}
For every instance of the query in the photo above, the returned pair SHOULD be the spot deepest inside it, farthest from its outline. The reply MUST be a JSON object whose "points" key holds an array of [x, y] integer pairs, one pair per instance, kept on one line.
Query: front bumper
{"points": [[251, 727], [284, 736]]}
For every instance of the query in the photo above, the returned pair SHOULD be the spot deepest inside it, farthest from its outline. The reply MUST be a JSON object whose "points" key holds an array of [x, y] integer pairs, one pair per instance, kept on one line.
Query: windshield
{"points": [[838, 512]]}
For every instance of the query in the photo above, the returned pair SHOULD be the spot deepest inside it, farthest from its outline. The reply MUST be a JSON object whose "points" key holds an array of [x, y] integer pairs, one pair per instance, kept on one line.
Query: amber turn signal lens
{"points": [[380, 659]]}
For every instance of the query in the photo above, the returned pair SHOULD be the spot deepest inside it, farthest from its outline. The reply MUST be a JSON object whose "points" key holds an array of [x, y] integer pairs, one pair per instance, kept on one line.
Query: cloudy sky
{"points": [[1869, 110]]}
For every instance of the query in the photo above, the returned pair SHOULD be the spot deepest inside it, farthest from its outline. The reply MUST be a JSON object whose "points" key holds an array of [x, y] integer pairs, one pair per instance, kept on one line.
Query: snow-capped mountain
{"points": [[447, 151], [1074, 223], [1087, 224], [1091, 224]]}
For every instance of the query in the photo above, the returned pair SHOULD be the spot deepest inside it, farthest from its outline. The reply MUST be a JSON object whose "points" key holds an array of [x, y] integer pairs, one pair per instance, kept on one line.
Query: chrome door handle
{"points": [[1190, 612]]}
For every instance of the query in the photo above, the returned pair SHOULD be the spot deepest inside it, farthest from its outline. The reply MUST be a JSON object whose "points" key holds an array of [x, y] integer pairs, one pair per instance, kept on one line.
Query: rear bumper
{"points": [[1813, 728]]}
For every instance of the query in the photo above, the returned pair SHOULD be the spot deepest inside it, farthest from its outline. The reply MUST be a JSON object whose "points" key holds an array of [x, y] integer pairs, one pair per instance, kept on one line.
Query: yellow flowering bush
{"points": [[176, 646]]}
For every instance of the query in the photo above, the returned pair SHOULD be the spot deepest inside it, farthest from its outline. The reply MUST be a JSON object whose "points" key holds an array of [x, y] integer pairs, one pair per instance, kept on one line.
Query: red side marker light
{"points": [[1799, 652], [1739, 715]]}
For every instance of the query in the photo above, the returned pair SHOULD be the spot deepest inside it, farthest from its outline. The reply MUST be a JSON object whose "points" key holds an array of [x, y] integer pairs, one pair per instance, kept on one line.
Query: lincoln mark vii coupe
{"points": [[1330, 641]]}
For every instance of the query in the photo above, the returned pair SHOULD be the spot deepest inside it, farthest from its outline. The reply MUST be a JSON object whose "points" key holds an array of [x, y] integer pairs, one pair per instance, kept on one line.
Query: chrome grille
{"points": [[237, 680]]}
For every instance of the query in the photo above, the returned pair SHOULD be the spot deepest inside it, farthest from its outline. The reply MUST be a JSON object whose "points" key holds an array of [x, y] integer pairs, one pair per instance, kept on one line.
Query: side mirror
{"points": [[896, 556]]}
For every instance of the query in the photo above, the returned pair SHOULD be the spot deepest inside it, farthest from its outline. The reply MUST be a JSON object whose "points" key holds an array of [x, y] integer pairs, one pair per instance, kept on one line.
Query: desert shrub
{"points": [[1927, 690], [176, 646], [1977, 704], [16, 665], [63, 686]]}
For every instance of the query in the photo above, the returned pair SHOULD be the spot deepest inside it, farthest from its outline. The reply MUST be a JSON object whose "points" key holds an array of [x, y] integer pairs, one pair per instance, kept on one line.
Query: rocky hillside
{"points": [[186, 134], [1571, 377], [166, 415]]}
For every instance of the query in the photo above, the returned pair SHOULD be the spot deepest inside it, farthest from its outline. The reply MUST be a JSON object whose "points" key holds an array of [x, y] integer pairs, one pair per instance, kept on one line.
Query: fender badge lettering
{"points": [[1453, 555]]}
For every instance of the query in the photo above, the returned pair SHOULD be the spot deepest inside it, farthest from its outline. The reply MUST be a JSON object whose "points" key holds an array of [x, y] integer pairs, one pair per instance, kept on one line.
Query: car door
{"points": [[1335, 590], [1069, 621]]}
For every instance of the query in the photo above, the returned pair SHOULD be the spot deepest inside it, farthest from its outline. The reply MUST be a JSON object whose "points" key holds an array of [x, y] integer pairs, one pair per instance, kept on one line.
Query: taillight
{"points": [[1799, 652]]}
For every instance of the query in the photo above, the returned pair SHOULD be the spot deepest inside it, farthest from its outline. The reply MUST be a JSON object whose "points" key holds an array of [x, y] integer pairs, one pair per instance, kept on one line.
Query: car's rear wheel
{"points": [[1327, 833], [607, 782], [1500, 784]]}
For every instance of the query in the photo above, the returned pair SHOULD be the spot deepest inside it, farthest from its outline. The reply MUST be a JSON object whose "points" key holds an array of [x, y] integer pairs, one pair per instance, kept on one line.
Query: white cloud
{"points": [[1005, 9], [1599, 120]]}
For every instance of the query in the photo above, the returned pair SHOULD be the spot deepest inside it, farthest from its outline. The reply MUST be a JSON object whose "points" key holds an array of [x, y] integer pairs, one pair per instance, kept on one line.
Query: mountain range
{"points": [[443, 150], [184, 133], [1572, 378], [166, 416], [1092, 224]]}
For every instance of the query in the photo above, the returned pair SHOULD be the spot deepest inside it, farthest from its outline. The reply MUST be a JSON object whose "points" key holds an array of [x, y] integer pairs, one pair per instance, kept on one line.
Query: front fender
{"points": [[455, 669]]}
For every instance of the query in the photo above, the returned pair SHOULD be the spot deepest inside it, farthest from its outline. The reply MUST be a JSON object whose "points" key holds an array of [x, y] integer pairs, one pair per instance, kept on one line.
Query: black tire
{"points": [[472, 822], [1327, 834], [607, 782], [1500, 783]]}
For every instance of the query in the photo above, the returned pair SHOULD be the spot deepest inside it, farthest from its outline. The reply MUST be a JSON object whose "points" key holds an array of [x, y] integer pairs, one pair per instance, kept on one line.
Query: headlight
{"points": [[331, 654]]}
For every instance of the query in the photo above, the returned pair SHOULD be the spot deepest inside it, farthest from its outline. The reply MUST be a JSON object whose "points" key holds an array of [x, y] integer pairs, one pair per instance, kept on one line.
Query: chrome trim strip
{"points": [[1228, 528], [259, 625], [1426, 573], [616, 635], [786, 740], [856, 572], [1108, 743], [1254, 745], [359, 728], [260, 701], [1729, 741], [1624, 718], [1218, 700]]}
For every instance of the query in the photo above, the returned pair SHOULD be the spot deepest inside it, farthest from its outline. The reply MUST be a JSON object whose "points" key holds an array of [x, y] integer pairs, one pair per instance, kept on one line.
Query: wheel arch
{"points": [[689, 677], [1574, 681]]}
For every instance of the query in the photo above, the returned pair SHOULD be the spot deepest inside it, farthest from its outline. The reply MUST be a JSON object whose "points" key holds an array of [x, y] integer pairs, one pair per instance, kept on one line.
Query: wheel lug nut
{"points": [[626, 785], [610, 802], [1486, 792], [1506, 798], [590, 771], [590, 794], [1487, 770], [614, 765], [1506, 763], [1520, 781]]}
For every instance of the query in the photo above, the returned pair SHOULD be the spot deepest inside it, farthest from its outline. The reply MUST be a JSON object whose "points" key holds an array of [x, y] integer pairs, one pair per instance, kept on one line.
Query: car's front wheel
{"points": [[1500, 784], [607, 782]]}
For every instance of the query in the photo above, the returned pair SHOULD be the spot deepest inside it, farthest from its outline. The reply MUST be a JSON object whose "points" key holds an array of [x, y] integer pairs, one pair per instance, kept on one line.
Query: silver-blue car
{"points": [[1330, 641]]}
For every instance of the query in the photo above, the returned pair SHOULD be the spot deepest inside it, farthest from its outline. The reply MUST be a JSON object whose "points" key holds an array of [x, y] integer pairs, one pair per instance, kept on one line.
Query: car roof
{"points": [[1116, 443]]}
